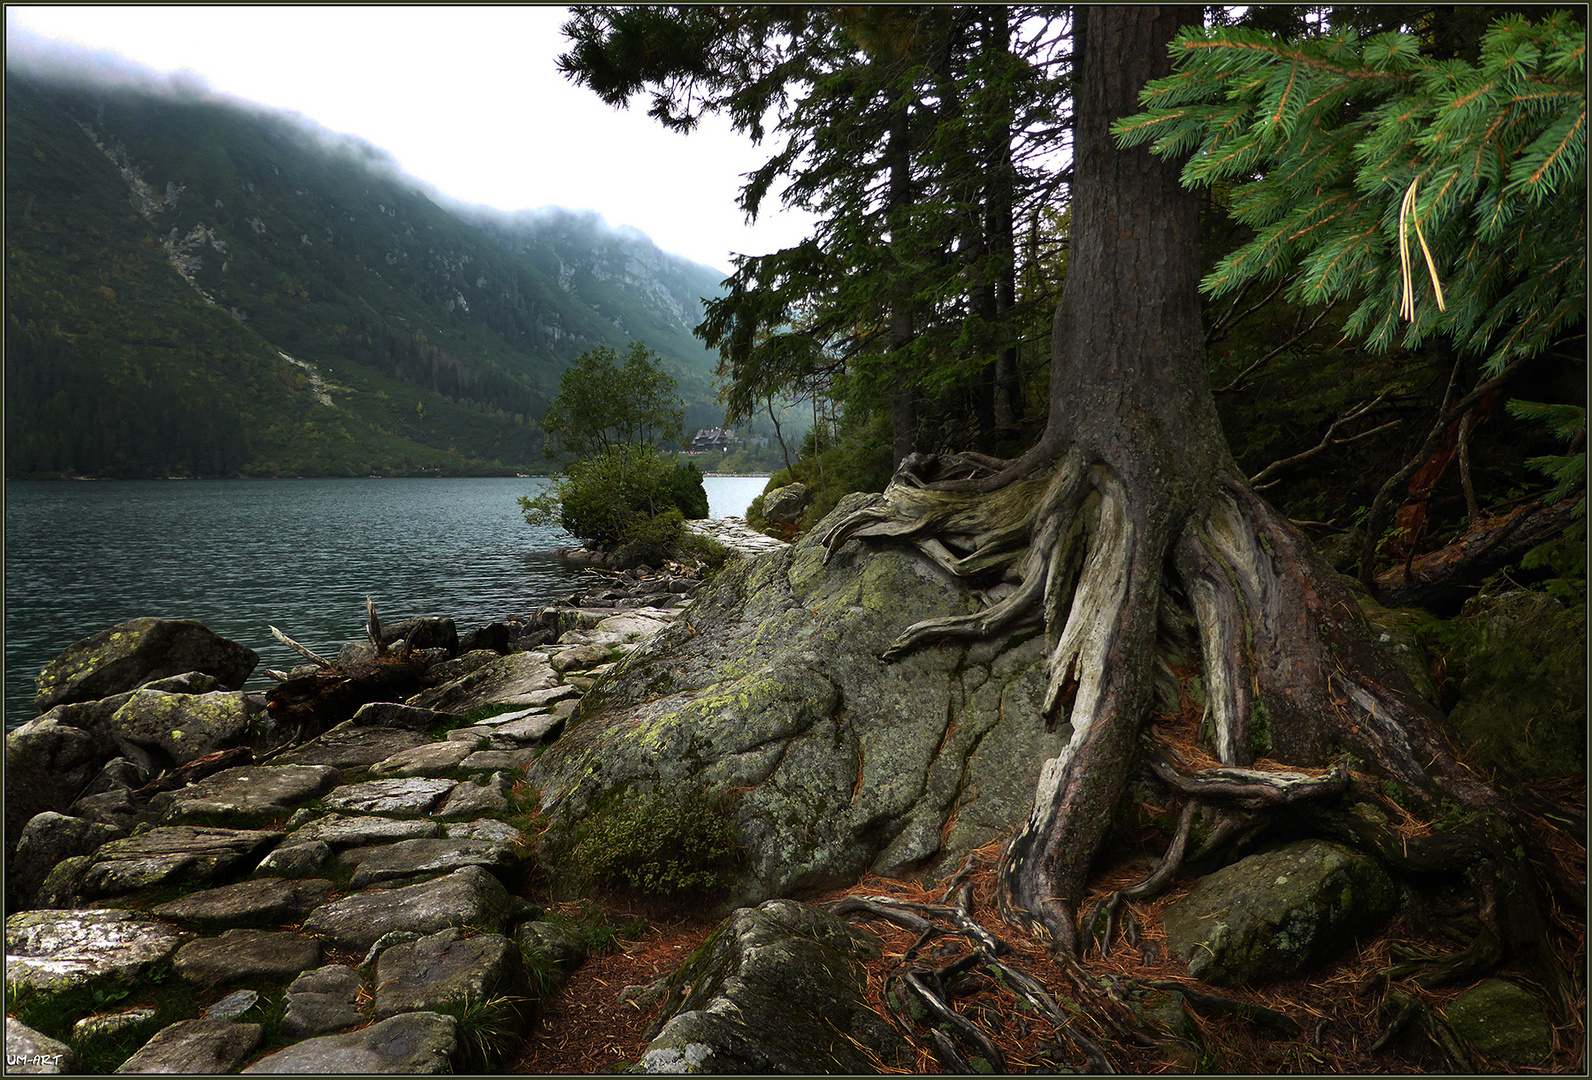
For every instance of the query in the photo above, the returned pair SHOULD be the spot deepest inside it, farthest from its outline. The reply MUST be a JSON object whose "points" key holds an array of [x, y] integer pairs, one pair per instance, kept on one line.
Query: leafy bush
{"points": [[626, 494], [673, 840]]}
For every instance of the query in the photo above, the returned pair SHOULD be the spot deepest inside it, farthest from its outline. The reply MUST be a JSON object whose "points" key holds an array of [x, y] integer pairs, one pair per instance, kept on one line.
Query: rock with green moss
{"points": [[770, 686], [1516, 663], [185, 726], [775, 989], [1278, 914], [133, 653], [53, 951], [1505, 1023]]}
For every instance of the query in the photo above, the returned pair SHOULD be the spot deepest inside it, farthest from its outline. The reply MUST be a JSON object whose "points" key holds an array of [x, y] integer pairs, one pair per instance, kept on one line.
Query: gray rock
{"points": [[509, 679], [391, 714], [784, 505], [323, 1000], [414, 858], [30, 1053], [47, 840], [249, 795], [135, 652], [529, 731], [579, 658], [346, 831], [350, 746], [62, 886], [446, 970], [404, 795], [844, 764], [431, 759], [295, 860], [196, 1046], [422, 1043], [246, 954], [469, 896], [48, 765], [233, 1005], [489, 829], [1505, 1022], [776, 989], [185, 726], [1278, 914], [617, 631], [557, 944], [117, 1025], [257, 902], [449, 670], [496, 760], [59, 950], [175, 854], [119, 808], [468, 801]]}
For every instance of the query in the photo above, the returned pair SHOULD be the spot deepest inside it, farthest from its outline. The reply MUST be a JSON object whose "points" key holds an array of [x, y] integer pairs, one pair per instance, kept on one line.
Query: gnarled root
{"points": [[1290, 666]]}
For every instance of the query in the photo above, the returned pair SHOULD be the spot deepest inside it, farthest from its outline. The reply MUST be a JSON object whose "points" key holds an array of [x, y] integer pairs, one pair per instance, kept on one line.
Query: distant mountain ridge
{"points": [[201, 288]]}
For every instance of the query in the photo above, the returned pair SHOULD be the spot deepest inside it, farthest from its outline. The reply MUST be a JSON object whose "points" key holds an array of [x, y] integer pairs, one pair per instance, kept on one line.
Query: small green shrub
{"points": [[627, 494], [673, 840]]}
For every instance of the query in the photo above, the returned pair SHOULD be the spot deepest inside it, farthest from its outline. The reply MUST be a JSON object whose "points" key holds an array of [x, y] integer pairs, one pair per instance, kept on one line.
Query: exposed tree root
{"points": [[1290, 668]]}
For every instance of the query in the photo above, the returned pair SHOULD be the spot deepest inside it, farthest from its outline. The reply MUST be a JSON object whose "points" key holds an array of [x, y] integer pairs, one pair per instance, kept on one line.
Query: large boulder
{"points": [[1504, 1021], [776, 989], [47, 840], [1516, 665], [467, 897], [769, 690], [185, 726], [423, 1043], [784, 505], [1278, 914], [132, 653]]}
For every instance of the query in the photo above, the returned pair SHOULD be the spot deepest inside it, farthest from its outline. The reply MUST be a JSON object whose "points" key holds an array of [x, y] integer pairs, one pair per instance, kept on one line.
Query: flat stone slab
{"points": [[510, 680], [419, 1043], [351, 746], [498, 760], [470, 801], [31, 1053], [244, 795], [628, 628], [246, 954], [323, 1000], [176, 854], [403, 795], [432, 759], [208, 1047], [411, 858], [490, 829], [469, 896], [257, 902], [391, 714], [55, 950], [446, 969], [346, 831]]}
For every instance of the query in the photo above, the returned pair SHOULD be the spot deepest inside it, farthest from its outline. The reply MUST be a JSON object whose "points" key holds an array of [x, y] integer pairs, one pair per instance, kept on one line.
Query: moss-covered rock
{"points": [[1278, 914], [770, 685], [1504, 1021], [133, 653], [775, 989], [1516, 665]]}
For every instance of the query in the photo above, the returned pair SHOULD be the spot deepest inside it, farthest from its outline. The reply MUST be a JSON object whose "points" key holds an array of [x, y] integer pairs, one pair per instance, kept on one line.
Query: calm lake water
{"points": [[301, 555]]}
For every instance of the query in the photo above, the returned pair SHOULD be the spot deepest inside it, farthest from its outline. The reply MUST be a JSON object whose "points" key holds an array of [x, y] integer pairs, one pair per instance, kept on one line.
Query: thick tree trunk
{"points": [[1129, 505]]}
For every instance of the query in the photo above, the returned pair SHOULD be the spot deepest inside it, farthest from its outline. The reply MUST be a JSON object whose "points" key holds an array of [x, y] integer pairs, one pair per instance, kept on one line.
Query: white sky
{"points": [[465, 98]]}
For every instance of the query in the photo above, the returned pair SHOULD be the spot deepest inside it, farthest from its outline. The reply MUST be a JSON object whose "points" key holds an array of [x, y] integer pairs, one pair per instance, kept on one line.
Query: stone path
{"points": [[735, 534], [366, 877]]}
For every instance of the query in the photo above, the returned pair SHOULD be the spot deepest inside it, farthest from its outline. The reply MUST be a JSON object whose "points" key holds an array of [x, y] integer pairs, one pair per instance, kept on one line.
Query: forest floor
{"points": [[585, 1029]]}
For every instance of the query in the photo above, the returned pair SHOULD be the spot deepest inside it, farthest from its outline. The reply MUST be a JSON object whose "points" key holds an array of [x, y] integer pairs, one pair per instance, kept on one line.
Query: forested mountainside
{"points": [[197, 288]]}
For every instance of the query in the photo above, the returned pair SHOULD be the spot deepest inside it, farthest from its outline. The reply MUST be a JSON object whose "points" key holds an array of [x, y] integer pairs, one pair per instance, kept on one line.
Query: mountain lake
{"points": [[243, 555]]}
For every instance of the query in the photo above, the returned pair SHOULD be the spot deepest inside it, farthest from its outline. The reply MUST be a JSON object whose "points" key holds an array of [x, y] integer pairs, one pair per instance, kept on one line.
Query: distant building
{"points": [[713, 439]]}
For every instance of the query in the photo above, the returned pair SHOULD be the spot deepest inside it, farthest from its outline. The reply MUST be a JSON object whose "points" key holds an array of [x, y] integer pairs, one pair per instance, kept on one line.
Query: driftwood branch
{"points": [[319, 661]]}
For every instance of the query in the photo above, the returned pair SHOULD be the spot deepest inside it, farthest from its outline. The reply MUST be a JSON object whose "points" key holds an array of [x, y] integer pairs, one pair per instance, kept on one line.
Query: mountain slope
{"points": [[197, 288]]}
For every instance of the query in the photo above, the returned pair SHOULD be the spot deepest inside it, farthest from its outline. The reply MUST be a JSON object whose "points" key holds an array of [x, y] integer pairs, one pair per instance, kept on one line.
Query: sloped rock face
{"points": [[132, 653], [422, 1043], [776, 989], [1278, 914], [771, 685]]}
